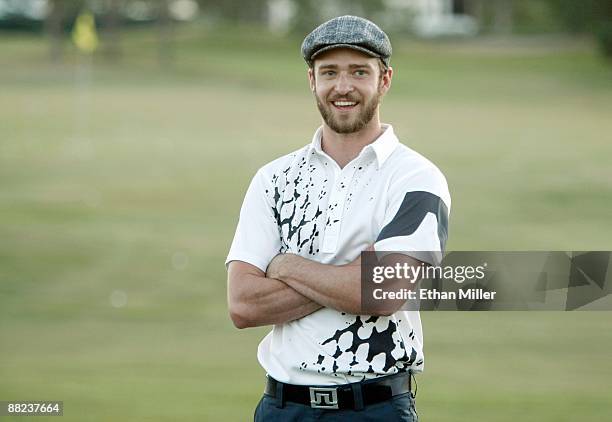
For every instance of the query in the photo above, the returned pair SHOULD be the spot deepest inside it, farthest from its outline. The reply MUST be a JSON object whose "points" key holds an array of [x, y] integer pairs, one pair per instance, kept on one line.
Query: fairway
{"points": [[120, 189]]}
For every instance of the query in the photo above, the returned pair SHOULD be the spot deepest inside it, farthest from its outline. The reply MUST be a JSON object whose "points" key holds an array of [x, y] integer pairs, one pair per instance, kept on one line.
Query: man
{"points": [[306, 218]]}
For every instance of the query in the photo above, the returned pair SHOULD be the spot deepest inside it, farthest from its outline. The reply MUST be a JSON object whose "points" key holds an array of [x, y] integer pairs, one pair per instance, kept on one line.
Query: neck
{"points": [[344, 147]]}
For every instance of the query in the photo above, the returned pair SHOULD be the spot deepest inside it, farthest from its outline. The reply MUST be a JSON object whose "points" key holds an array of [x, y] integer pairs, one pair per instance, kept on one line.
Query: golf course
{"points": [[121, 183]]}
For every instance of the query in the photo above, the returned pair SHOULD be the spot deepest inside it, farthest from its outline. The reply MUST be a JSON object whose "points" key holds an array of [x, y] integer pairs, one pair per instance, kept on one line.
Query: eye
{"points": [[361, 73], [329, 73]]}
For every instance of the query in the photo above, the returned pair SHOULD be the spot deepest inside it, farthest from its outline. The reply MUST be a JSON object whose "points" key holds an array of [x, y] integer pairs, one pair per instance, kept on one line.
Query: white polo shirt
{"points": [[305, 204]]}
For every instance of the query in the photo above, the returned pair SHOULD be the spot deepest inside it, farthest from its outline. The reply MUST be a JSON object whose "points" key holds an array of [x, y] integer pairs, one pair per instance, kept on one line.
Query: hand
{"points": [[276, 266]]}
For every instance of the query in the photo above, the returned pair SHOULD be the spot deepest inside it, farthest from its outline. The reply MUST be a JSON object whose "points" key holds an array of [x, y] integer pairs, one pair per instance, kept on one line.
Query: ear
{"points": [[386, 80], [311, 79]]}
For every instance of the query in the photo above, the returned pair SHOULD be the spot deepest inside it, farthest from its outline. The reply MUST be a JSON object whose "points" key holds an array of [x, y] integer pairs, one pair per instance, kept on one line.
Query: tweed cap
{"points": [[350, 32]]}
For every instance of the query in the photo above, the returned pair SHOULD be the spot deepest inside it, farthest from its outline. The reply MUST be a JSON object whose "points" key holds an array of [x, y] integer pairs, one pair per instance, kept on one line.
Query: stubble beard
{"points": [[354, 124]]}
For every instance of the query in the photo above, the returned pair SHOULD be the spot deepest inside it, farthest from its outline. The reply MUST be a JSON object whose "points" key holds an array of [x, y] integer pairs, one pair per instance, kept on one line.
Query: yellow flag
{"points": [[84, 34]]}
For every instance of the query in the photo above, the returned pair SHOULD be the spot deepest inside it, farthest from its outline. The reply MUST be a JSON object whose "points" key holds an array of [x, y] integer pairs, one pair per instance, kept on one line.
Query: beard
{"points": [[349, 124]]}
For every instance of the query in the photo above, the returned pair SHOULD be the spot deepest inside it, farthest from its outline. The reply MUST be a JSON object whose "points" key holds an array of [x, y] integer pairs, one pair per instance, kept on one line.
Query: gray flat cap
{"points": [[350, 32]]}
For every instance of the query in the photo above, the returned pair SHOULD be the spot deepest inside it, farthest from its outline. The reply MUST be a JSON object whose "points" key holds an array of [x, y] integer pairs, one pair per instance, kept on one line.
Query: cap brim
{"points": [[351, 46]]}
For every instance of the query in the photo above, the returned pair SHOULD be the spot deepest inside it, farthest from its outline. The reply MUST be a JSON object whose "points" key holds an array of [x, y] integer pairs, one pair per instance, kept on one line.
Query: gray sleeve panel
{"points": [[411, 213]]}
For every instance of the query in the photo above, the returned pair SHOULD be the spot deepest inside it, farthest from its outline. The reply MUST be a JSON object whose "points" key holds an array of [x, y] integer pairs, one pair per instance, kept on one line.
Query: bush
{"points": [[604, 36]]}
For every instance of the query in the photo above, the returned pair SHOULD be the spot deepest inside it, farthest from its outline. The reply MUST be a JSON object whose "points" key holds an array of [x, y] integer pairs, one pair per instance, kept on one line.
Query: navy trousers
{"points": [[399, 408]]}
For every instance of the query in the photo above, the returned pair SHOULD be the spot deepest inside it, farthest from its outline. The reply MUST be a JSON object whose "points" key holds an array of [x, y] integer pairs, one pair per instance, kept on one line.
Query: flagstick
{"points": [[86, 40], [83, 79]]}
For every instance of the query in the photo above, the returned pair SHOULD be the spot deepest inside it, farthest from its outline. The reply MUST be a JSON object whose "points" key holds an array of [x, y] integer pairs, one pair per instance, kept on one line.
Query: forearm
{"points": [[256, 300], [337, 287]]}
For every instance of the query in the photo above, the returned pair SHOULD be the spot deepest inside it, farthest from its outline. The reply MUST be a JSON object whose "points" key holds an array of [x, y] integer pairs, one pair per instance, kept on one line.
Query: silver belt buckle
{"points": [[323, 397]]}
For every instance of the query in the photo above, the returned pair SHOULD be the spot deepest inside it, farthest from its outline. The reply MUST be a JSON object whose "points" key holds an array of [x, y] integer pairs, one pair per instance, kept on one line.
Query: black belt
{"points": [[345, 396]]}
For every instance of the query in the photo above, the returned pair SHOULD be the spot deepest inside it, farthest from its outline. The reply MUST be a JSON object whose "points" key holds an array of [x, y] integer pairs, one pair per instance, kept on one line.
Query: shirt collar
{"points": [[383, 146], [315, 145]]}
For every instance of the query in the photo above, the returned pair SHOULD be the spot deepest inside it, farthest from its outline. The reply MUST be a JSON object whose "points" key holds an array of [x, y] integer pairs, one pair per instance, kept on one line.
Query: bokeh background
{"points": [[126, 147]]}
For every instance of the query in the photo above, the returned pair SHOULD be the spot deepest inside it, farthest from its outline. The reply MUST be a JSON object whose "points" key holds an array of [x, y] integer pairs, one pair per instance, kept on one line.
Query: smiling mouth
{"points": [[344, 105]]}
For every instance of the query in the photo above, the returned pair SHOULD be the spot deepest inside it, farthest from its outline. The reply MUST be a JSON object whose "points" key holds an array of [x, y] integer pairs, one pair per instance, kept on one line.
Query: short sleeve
{"points": [[416, 219], [257, 238]]}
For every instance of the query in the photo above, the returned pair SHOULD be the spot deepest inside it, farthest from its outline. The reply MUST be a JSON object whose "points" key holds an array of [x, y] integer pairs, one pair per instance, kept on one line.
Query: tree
{"points": [[165, 34], [502, 16], [588, 16], [111, 34], [54, 27]]}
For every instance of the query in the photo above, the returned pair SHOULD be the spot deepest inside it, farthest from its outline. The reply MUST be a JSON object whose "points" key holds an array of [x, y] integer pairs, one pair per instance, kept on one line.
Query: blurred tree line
{"points": [[588, 16], [110, 17], [592, 17]]}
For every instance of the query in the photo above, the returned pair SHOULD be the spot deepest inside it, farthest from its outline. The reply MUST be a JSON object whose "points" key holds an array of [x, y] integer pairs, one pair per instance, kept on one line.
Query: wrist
{"points": [[276, 268]]}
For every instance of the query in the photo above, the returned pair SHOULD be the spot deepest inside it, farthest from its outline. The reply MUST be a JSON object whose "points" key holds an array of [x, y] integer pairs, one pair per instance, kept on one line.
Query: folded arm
{"points": [[256, 300], [333, 286]]}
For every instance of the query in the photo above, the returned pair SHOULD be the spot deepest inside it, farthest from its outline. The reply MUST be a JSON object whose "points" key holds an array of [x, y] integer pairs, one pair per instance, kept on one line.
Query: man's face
{"points": [[348, 86]]}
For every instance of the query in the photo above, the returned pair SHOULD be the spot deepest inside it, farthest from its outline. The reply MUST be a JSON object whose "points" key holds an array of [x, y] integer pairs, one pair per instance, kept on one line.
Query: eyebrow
{"points": [[351, 66]]}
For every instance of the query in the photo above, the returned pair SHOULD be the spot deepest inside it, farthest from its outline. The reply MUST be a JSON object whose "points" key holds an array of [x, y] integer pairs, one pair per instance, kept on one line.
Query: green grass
{"points": [[134, 181]]}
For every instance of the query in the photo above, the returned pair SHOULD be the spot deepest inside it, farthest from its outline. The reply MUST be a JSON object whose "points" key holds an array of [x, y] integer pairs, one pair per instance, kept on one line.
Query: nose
{"points": [[343, 84]]}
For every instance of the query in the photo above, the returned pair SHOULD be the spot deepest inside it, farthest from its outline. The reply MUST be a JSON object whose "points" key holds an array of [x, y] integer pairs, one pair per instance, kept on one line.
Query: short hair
{"points": [[382, 67]]}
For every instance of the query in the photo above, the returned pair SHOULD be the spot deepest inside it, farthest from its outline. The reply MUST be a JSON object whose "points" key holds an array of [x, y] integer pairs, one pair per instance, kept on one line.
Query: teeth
{"points": [[344, 103]]}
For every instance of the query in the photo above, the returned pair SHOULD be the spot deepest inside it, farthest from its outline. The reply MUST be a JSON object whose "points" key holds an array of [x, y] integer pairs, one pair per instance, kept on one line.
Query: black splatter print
{"points": [[338, 352], [294, 210], [378, 342]]}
